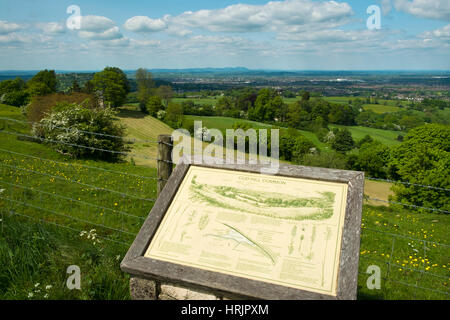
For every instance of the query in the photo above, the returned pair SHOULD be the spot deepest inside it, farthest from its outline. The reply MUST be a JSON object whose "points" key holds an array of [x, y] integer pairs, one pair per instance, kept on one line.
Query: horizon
{"points": [[288, 35], [234, 68]]}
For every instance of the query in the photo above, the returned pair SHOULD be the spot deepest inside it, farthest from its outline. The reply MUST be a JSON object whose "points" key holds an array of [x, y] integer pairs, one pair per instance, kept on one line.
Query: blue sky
{"points": [[289, 34]]}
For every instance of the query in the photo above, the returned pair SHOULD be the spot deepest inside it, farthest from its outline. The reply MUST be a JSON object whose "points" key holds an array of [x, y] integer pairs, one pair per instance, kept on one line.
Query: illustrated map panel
{"points": [[281, 230]]}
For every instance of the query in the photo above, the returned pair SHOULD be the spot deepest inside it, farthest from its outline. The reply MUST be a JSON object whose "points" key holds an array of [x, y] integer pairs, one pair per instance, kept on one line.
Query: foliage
{"points": [[153, 105], [165, 93], [114, 85], [44, 82], [268, 107], [145, 85], [75, 86], [334, 160], [423, 158], [366, 139], [372, 158], [343, 141], [41, 105], [12, 92], [67, 129], [174, 115], [294, 147], [190, 108]]}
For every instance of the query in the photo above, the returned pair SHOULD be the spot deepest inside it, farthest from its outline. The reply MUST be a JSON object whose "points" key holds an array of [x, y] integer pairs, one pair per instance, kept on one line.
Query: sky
{"points": [[257, 34]]}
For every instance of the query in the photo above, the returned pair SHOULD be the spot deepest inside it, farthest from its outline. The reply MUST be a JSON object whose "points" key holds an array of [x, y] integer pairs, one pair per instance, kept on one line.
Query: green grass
{"points": [[222, 123], [79, 194], [200, 101], [32, 252], [142, 128], [34, 259], [380, 108], [387, 137], [418, 257]]}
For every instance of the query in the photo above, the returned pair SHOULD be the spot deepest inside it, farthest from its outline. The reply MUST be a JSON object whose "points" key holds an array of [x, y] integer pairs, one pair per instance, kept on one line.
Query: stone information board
{"points": [[229, 222], [228, 230]]}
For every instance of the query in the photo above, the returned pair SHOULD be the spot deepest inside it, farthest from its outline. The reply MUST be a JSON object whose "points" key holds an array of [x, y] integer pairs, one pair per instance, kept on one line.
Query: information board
{"points": [[281, 230]]}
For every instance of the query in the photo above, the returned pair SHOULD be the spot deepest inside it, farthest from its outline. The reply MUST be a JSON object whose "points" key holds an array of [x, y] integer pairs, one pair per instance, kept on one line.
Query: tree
{"points": [[334, 160], [343, 141], [266, 105], [174, 115], [342, 114], [423, 158], [75, 86], [153, 105], [114, 85], [78, 120], [15, 98], [43, 82], [165, 93], [305, 96], [145, 85], [13, 93], [88, 87], [372, 158], [223, 105], [8, 86], [367, 139]]}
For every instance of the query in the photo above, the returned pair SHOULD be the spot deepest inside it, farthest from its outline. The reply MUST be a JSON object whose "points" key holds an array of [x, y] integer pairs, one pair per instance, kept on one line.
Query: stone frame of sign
{"points": [[225, 285]]}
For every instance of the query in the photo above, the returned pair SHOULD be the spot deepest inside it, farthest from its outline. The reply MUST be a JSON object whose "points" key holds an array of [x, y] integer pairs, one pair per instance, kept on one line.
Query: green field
{"points": [[380, 108], [387, 137], [377, 108], [222, 123], [141, 127], [81, 195], [200, 101]]}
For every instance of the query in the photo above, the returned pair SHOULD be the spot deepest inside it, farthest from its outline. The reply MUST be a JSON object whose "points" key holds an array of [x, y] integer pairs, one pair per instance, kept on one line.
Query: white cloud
{"points": [[96, 23], [101, 28], [431, 9], [414, 44], [120, 42], [268, 17], [109, 34], [386, 6], [52, 27], [144, 24], [442, 33], [8, 27], [13, 38], [20, 39], [273, 16], [333, 35], [145, 43]]}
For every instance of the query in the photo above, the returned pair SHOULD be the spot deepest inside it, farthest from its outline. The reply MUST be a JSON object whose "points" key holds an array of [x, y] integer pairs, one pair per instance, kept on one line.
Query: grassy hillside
{"points": [[143, 127], [114, 198], [380, 108], [72, 196], [387, 137], [202, 101]]}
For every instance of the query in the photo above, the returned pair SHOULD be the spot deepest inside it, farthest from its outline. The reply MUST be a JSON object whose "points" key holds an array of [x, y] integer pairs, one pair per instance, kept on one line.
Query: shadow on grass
{"points": [[127, 113], [364, 295]]}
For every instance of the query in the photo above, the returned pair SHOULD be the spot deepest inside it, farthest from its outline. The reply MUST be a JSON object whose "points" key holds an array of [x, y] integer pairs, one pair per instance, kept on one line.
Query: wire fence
{"points": [[116, 198]]}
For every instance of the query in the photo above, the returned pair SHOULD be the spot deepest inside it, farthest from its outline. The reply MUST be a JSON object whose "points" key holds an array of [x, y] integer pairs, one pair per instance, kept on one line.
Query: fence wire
{"points": [[14, 213], [399, 254], [126, 139], [394, 246]]}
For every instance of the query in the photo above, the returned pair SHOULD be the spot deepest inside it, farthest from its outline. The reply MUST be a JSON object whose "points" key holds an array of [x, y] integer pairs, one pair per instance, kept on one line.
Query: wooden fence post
{"points": [[164, 165]]}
